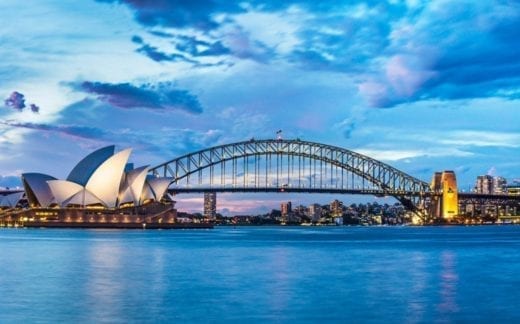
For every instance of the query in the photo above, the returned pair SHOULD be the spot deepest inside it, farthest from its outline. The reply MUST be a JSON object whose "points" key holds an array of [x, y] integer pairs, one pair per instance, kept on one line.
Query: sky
{"points": [[424, 86]]}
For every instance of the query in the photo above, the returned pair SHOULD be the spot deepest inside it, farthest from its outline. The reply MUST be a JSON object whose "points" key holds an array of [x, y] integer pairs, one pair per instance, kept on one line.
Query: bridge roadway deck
{"points": [[298, 190], [379, 193]]}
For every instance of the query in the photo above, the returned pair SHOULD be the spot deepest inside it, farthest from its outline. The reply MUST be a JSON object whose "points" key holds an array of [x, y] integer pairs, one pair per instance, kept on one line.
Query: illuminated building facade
{"points": [[102, 190], [484, 185], [499, 185], [513, 190], [210, 205], [490, 185], [336, 208]]}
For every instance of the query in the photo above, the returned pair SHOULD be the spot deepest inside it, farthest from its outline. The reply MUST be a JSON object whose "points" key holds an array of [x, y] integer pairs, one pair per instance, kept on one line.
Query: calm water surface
{"points": [[261, 274]]}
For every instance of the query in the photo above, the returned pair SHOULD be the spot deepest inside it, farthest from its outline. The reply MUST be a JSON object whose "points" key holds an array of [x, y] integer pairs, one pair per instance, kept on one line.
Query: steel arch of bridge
{"points": [[227, 167]]}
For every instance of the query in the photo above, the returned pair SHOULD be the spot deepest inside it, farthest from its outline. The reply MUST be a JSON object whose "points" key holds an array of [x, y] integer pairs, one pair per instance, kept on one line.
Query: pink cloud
{"points": [[405, 74]]}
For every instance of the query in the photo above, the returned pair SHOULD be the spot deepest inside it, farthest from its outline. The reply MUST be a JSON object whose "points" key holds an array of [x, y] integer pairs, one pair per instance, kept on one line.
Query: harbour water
{"points": [[261, 274]]}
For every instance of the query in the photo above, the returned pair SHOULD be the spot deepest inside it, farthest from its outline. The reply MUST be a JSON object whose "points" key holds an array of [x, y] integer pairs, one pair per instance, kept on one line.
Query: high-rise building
{"points": [[499, 185], [336, 208], [490, 185], [286, 208], [210, 205], [314, 212], [484, 185]]}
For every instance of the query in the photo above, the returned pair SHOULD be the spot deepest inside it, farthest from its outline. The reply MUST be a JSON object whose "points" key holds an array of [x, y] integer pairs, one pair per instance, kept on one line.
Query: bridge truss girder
{"points": [[276, 159]]}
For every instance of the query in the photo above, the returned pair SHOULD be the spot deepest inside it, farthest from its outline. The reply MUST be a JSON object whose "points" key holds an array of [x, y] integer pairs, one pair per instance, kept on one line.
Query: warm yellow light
{"points": [[450, 201]]}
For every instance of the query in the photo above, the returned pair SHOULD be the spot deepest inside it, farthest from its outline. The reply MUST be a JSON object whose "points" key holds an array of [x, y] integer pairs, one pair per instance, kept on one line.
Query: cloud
{"points": [[197, 14], [243, 46], [347, 126], [448, 51], [396, 155], [189, 49], [196, 47], [397, 52], [35, 109], [492, 171], [153, 53], [16, 100], [85, 132], [160, 96], [482, 139]]}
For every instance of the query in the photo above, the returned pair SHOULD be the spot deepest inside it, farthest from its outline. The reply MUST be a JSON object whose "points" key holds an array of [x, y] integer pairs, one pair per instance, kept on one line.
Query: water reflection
{"points": [[103, 287], [419, 278], [280, 286], [448, 285], [383, 275]]}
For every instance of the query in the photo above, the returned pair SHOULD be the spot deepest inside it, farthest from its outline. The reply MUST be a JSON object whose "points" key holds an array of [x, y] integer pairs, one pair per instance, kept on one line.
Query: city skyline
{"points": [[422, 86]]}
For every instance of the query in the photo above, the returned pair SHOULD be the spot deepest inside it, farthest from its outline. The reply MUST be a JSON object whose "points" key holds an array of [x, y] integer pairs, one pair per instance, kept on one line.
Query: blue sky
{"points": [[421, 85]]}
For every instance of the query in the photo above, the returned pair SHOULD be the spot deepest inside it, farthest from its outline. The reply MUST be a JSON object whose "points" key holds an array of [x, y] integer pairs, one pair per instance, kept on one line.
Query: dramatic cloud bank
{"points": [[401, 51], [127, 96]]}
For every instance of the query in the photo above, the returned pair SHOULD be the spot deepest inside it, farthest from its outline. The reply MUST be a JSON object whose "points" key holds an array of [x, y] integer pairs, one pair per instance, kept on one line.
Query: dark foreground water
{"points": [[261, 274]]}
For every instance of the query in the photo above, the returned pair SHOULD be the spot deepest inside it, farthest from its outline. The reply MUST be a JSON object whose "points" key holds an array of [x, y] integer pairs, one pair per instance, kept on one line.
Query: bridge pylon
{"points": [[444, 204]]}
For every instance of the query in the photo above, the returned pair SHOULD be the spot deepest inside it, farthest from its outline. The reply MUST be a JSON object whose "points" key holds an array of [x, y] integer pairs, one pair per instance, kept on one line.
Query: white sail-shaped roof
{"points": [[147, 193], [104, 183], [133, 185], [38, 191], [63, 190], [11, 200], [159, 186], [86, 167], [83, 198]]}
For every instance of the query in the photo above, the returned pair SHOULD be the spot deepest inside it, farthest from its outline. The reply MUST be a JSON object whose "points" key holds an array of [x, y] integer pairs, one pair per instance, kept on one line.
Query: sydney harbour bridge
{"points": [[282, 165]]}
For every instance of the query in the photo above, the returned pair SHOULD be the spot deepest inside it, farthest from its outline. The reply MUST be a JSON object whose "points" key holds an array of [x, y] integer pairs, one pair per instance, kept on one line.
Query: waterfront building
{"points": [[336, 208], [210, 205], [10, 200], [513, 190], [489, 185], [499, 185], [314, 212], [484, 184], [286, 208], [99, 180], [102, 190]]}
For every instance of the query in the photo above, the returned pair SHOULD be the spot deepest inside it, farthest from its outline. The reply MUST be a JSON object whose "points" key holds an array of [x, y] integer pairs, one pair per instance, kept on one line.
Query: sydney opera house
{"points": [[102, 190]]}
